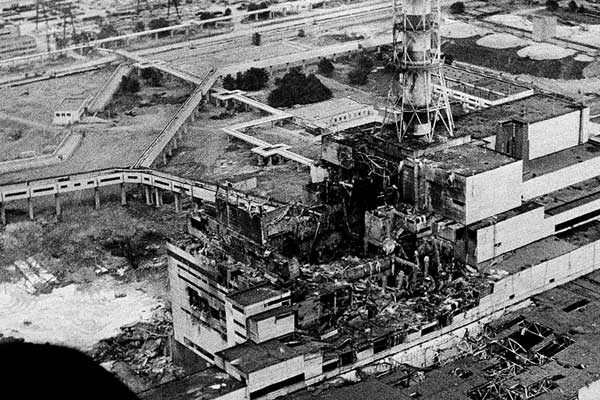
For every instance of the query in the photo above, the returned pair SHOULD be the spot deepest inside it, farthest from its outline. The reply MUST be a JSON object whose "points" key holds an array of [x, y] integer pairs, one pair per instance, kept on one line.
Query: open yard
{"points": [[22, 139], [208, 154], [37, 101]]}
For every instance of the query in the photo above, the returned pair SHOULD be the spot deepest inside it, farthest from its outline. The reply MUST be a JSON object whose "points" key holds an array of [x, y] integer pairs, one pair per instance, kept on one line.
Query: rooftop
{"points": [[206, 384], [469, 159], [559, 160], [479, 84], [249, 357], [539, 107], [72, 103], [325, 109], [548, 248], [522, 209], [570, 197], [271, 313], [253, 295], [560, 325]]}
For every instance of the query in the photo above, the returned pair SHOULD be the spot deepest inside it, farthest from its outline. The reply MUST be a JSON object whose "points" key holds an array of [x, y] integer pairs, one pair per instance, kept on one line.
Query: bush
{"points": [[140, 26], [152, 76], [358, 76], [552, 5], [457, 8], [365, 62], [301, 33], [227, 12], [297, 88], [326, 67], [158, 23], [252, 80], [572, 6], [229, 82], [129, 85], [256, 39], [107, 31]]}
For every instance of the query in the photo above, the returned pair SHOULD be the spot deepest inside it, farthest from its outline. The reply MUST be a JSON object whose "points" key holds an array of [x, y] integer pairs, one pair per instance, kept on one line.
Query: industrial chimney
{"points": [[418, 97]]}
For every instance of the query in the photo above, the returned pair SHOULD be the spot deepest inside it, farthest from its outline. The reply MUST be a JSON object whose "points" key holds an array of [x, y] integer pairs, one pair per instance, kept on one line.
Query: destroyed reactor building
{"points": [[407, 248]]}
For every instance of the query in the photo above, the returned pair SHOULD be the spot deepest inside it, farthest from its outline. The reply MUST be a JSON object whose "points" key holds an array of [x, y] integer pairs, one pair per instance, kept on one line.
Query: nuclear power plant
{"points": [[313, 199]]}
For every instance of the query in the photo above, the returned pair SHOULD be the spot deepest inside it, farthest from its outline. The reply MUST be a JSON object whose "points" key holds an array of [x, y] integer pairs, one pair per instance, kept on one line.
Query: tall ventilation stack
{"points": [[418, 99]]}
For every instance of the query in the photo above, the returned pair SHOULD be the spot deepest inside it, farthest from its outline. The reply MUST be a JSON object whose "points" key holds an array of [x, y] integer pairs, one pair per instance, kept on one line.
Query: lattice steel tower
{"points": [[417, 99]]}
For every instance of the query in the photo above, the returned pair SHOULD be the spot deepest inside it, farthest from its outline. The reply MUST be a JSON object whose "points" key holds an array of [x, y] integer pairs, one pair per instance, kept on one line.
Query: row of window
{"points": [[352, 115], [62, 114]]}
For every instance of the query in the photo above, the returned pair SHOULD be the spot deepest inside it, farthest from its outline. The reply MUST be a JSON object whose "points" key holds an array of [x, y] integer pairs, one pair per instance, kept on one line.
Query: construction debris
{"points": [[143, 346]]}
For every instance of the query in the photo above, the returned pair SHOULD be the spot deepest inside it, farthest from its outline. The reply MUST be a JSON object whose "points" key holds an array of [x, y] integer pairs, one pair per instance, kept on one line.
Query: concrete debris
{"points": [[143, 346]]}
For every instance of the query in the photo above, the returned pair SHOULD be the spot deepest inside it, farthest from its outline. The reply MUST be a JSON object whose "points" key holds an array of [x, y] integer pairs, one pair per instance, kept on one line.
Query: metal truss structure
{"points": [[418, 99]]}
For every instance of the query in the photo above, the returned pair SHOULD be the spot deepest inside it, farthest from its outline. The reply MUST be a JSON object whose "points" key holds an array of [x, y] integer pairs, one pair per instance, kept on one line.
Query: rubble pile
{"points": [[143, 346]]}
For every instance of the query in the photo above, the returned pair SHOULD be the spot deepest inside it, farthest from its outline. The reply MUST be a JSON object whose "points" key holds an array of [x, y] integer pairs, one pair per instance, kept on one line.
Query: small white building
{"points": [[69, 111], [334, 115]]}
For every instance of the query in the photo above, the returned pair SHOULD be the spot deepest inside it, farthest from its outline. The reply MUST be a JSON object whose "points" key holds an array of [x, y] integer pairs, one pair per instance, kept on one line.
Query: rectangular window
{"points": [[197, 303]]}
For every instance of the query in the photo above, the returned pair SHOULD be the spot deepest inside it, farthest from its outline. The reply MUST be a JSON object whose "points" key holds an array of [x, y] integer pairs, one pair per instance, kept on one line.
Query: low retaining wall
{"points": [[63, 152]]}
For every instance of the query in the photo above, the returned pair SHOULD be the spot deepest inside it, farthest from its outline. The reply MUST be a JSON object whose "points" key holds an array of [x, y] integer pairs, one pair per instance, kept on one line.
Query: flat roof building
{"points": [[69, 111]]}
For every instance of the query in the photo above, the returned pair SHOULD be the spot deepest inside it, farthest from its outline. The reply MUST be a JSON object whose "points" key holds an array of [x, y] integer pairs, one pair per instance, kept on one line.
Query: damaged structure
{"points": [[407, 247]]}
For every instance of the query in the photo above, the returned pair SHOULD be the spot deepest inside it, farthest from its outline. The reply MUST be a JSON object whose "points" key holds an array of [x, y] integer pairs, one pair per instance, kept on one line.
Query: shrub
{"points": [[326, 67], [297, 88], [229, 82], [129, 85], [358, 76], [572, 6], [457, 8], [552, 5]]}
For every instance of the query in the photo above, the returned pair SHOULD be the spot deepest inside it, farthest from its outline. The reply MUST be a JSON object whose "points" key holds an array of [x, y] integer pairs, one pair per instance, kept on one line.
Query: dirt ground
{"points": [[132, 124], [37, 101], [99, 294], [24, 139], [208, 154]]}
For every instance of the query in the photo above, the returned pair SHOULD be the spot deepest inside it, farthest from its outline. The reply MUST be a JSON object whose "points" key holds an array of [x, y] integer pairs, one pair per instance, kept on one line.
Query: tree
{"points": [[572, 6], [252, 80], [358, 76], [552, 5], [297, 88], [457, 8], [326, 67], [227, 12], [158, 23], [129, 85], [229, 82], [365, 62], [107, 31], [301, 33], [256, 39], [140, 26], [152, 76]]}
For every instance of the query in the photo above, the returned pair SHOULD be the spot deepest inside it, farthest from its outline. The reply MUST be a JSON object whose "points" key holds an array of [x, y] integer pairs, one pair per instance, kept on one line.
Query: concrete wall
{"points": [[275, 373], [493, 192], [270, 328], [500, 238], [233, 314], [64, 151], [562, 178], [185, 326], [554, 134]]}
